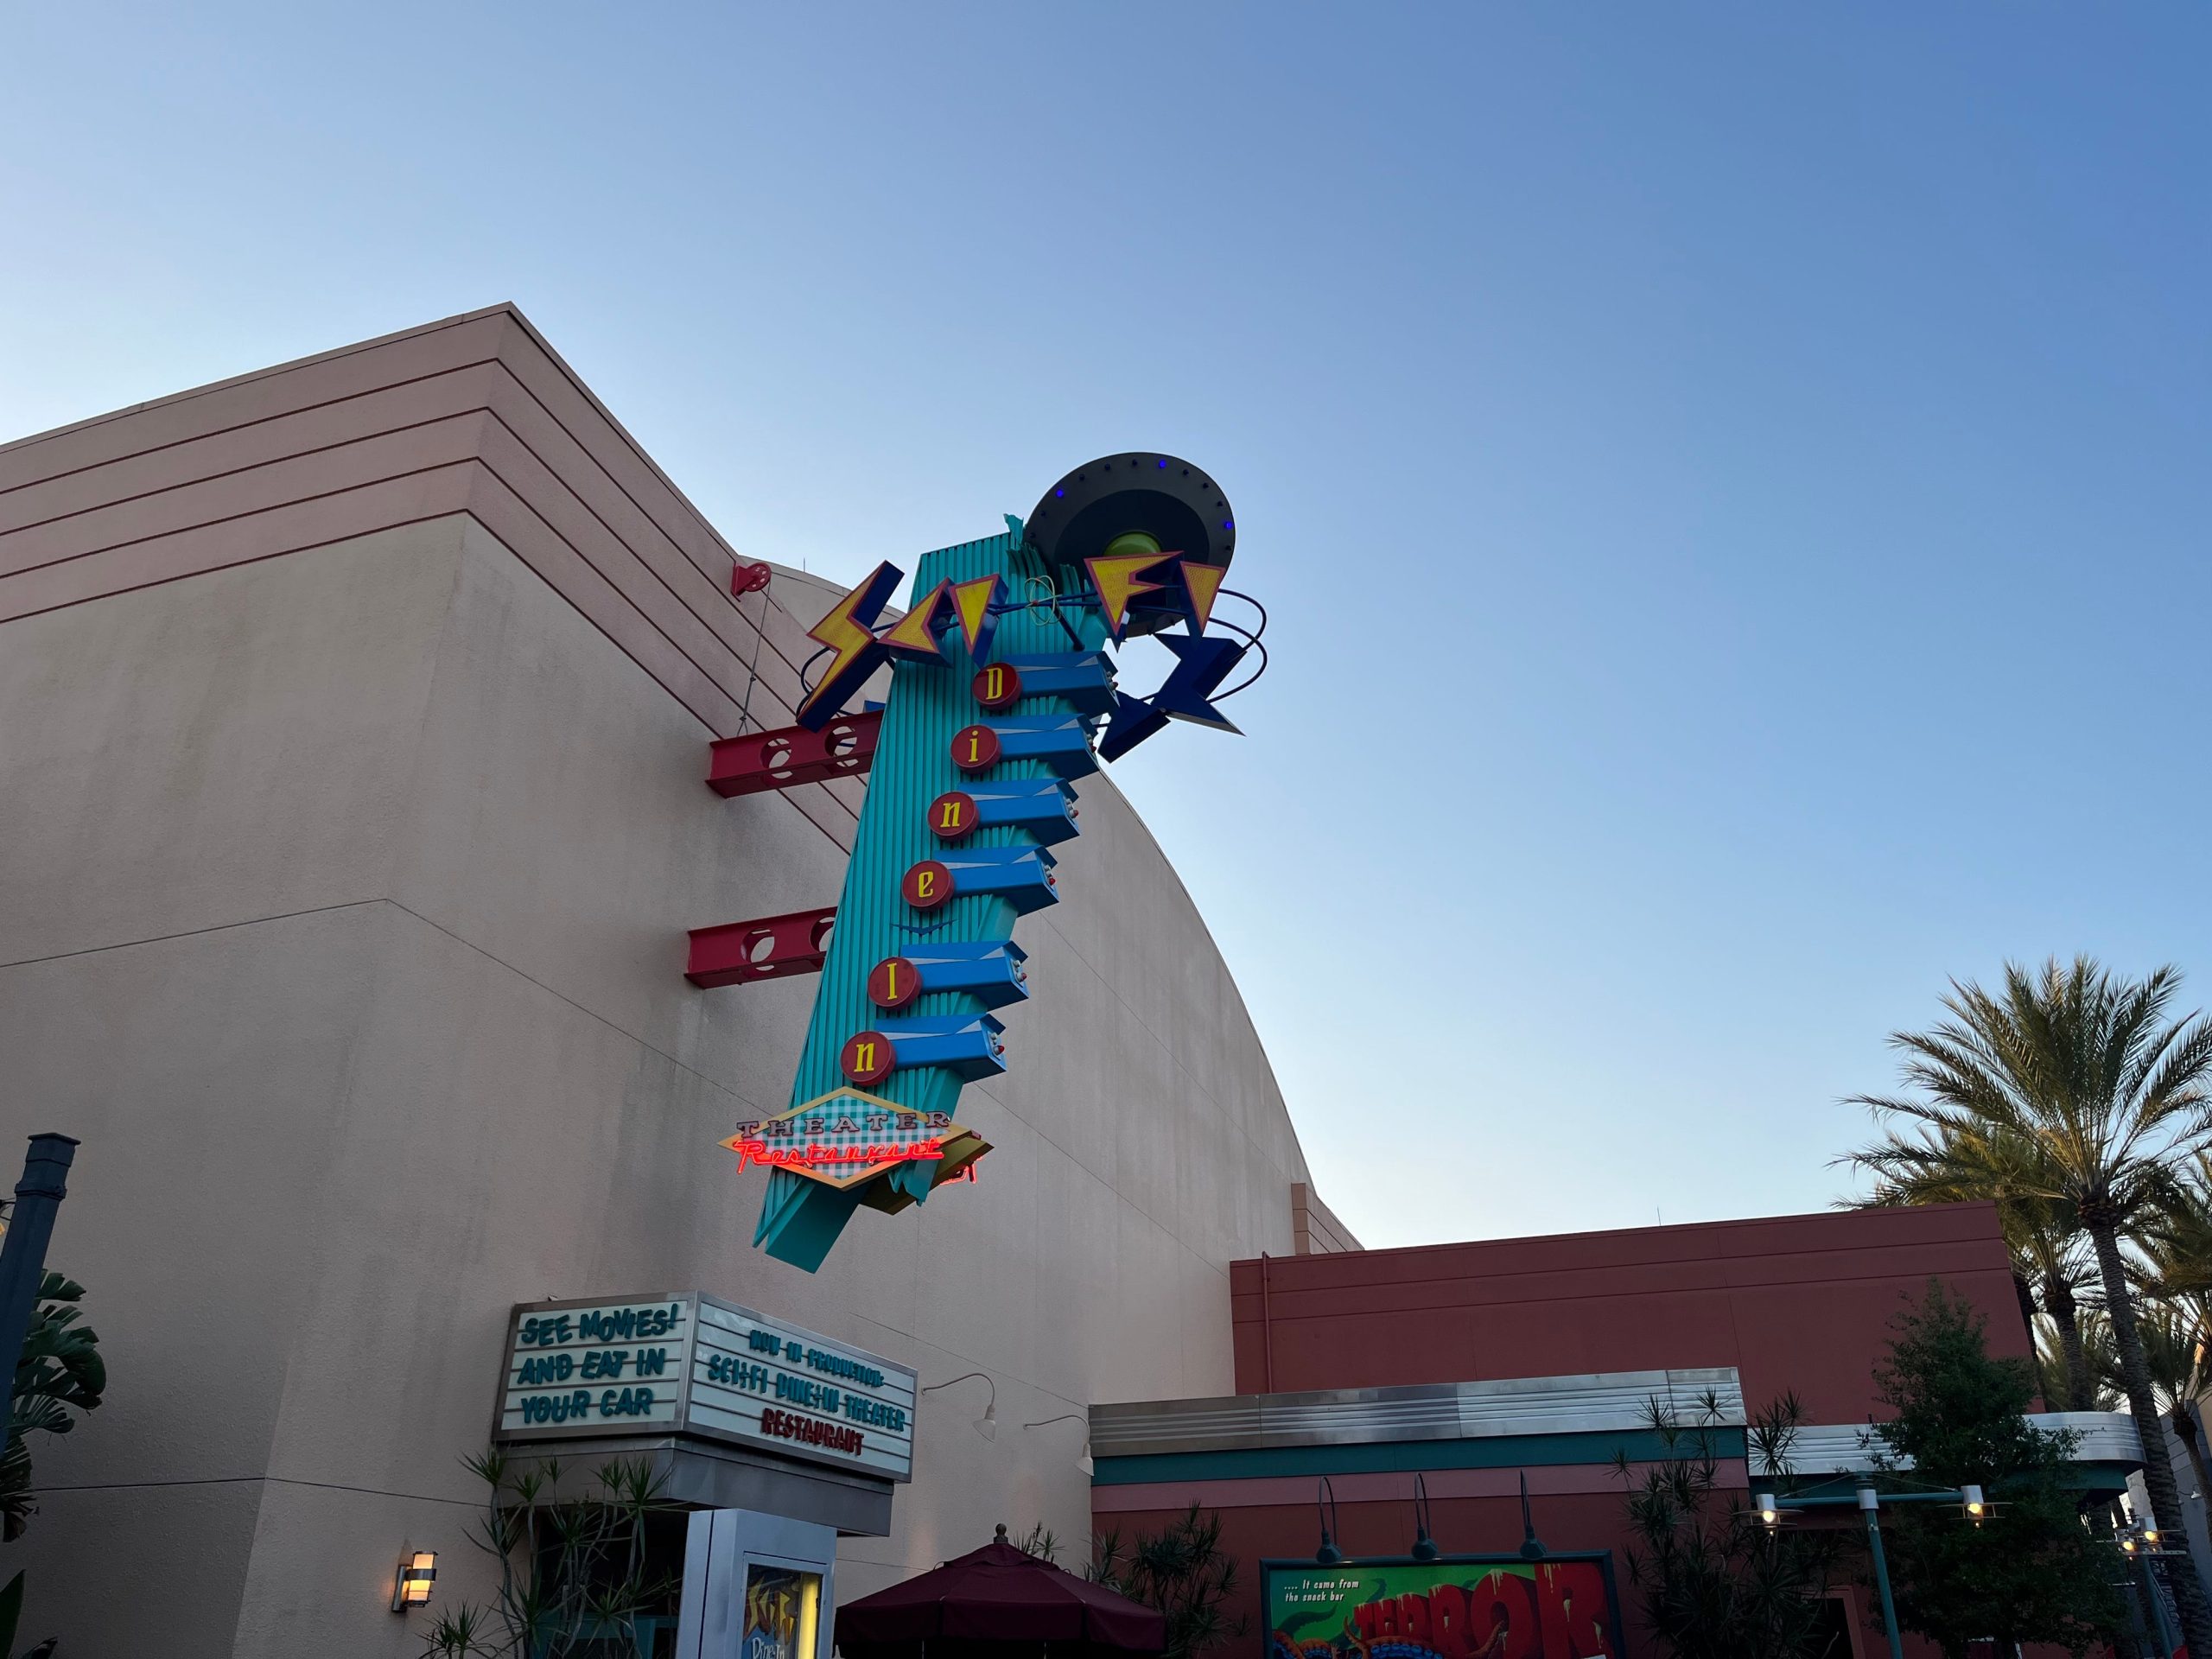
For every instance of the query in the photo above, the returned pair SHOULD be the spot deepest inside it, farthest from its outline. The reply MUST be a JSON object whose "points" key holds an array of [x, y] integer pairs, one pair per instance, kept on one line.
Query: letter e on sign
{"points": [[893, 983], [998, 686], [927, 885], [952, 815], [866, 1058], [974, 748]]}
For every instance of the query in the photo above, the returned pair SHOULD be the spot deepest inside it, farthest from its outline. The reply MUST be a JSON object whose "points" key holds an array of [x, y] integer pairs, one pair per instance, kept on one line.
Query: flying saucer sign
{"points": [[1004, 695]]}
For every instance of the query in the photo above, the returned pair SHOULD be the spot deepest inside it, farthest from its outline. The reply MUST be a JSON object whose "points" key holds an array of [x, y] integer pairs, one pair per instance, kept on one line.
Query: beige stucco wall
{"points": [[342, 903]]}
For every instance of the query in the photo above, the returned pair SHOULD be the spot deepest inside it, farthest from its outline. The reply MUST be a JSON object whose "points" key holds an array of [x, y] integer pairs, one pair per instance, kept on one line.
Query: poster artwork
{"points": [[1560, 1608], [781, 1610]]}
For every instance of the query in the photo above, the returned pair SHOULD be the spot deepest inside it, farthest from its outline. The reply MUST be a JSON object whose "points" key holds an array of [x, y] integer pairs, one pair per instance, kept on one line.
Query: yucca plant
{"points": [[1714, 1582], [575, 1575], [1183, 1571]]}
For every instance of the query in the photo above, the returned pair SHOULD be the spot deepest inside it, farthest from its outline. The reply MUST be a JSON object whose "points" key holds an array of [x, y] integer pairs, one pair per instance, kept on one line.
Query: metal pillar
{"points": [[1869, 1505], [22, 1255], [2155, 1606]]}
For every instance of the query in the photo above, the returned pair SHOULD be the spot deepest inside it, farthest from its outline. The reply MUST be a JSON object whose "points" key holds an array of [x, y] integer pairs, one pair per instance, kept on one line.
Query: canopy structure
{"points": [[998, 1603]]}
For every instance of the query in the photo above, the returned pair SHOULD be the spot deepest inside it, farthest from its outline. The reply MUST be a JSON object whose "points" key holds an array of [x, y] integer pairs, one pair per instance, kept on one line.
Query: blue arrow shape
{"points": [[1205, 663]]}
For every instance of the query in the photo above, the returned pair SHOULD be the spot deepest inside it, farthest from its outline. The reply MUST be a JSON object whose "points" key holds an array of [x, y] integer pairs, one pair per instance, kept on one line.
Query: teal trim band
{"points": [[1505, 1452]]}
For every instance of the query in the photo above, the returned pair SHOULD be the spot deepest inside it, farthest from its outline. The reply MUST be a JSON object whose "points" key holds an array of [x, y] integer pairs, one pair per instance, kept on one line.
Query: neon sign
{"points": [[1003, 697], [848, 1136]]}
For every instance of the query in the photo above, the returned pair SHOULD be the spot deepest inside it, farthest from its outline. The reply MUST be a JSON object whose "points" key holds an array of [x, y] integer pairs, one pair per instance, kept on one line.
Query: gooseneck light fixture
{"points": [[1083, 1460], [1532, 1548], [418, 1571], [988, 1424], [1425, 1548], [1328, 1554]]}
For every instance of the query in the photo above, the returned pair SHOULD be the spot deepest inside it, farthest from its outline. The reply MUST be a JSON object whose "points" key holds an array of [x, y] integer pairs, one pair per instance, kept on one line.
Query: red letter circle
{"points": [[866, 1058], [927, 885], [974, 748], [997, 685], [893, 983], [952, 814]]}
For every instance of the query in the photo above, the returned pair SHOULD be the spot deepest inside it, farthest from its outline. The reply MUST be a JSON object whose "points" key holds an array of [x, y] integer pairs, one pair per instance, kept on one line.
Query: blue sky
{"points": [[1730, 481]]}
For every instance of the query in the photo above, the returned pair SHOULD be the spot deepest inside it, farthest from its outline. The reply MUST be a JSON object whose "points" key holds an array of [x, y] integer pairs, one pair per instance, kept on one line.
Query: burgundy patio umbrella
{"points": [[998, 1603]]}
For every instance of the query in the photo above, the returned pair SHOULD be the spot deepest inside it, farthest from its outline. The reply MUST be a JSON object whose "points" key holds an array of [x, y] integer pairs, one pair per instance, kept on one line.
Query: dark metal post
{"points": [[1870, 1503], [2154, 1606], [22, 1255]]}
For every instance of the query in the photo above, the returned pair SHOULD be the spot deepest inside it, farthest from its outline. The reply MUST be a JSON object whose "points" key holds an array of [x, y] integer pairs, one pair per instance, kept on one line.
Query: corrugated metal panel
{"points": [[1610, 1402], [1840, 1448]]}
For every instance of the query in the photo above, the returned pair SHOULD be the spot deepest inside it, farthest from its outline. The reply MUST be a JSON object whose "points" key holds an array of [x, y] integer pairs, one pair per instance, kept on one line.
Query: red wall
{"points": [[1580, 1520], [1799, 1302], [1796, 1302]]}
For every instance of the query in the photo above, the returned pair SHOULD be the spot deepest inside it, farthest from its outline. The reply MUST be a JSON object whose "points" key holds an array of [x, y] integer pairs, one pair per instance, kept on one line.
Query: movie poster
{"points": [[1487, 1608], [781, 1608]]}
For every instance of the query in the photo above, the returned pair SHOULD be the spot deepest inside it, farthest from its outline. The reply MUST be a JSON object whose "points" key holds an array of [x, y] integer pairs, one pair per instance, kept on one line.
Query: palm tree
{"points": [[2174, 1334], [2087, 1070], [2043, 1234], [2175, 1235], [2176, 1281], [2093, 1331]]}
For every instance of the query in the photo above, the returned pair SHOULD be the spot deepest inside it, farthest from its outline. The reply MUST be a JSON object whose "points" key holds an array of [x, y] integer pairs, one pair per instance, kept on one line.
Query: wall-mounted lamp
{"points": [[988, 1424], [1328, 1554], [1425, 1548], [418, 1571], [1083, 1461], [1532, 1548]]}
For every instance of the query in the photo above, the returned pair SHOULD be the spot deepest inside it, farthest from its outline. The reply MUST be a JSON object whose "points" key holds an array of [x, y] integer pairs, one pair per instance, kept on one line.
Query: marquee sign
{"points": [[1003, 696], [693, 1365]]}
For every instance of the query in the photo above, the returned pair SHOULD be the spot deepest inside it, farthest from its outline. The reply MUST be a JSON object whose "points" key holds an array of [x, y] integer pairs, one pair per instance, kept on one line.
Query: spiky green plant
{"points": [[575, 1574], [1712, 1581], [1183, 1571]]}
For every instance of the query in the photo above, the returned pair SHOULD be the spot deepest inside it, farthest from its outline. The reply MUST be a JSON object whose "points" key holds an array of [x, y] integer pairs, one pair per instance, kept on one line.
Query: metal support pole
{"points": [[1869, 1505], [2160, 1631], [22, 1255]]}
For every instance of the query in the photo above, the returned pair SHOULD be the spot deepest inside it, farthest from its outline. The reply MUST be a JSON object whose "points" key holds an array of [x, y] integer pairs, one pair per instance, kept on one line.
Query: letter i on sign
{"points": [[893, 983], [974, 748]]}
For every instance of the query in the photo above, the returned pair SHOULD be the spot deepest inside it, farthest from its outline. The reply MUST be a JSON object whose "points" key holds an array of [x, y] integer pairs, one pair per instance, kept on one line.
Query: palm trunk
{"points": [[2157, 1467], [2185, 1432], [2058, 1302]]}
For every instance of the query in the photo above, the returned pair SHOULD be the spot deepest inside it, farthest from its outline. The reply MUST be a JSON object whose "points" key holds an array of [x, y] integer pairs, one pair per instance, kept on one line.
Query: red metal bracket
{"points": [[774, 947], [777, 759]]}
